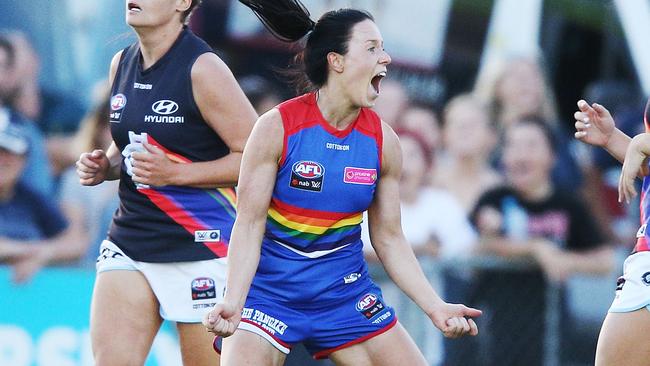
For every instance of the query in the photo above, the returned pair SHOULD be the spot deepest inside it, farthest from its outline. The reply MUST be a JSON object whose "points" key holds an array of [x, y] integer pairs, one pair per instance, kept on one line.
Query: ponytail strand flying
{"points": [[288, 20]]}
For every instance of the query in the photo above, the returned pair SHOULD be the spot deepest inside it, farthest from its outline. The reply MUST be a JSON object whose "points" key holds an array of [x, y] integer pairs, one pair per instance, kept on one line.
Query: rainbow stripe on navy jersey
{"points": [[642, 239], [326, 179], [194, 208]]}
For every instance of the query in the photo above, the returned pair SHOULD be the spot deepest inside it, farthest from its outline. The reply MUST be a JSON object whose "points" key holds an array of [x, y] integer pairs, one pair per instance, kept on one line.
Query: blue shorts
{"points": [[327, 303]]}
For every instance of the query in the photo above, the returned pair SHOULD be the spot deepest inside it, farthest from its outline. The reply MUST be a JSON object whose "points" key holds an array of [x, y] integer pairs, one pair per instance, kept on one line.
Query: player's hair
{"points": [[290, 21], [186, 14], [8, 47]]}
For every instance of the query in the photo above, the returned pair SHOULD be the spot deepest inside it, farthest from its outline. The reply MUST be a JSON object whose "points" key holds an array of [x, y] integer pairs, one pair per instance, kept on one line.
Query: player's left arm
{"points": [[226, 109], [396, 254]]}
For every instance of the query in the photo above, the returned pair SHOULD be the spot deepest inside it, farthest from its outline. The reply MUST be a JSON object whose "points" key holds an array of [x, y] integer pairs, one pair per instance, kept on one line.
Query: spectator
{"points": [[519, 90], [90, 209], [37, 171], [530, 219], [422, 120], [33, 231], [468, 140], [51, 112]]}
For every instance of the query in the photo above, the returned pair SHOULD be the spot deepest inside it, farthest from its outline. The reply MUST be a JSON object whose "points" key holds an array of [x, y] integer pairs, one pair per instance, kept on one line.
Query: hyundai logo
{"points": [[165, 107]]}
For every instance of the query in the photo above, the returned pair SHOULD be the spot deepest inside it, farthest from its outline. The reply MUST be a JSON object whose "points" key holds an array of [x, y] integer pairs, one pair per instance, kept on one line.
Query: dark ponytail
{"points": [[289, 21]]}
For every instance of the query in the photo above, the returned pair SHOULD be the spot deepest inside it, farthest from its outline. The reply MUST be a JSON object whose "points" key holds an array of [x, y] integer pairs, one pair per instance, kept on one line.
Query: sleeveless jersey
{"points": [[170, 223], [326, 179], [643, 239]]}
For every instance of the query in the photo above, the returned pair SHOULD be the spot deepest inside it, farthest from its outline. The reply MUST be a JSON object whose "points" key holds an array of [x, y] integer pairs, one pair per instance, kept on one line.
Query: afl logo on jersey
{"points": [[165, 107], [370, 305], [118, 102], [366, 302], [307, 175], [308, 169]]}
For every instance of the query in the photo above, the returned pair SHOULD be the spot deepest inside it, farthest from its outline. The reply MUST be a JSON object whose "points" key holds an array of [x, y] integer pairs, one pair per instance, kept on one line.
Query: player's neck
{"points": [[336, 110], [155, 42]]}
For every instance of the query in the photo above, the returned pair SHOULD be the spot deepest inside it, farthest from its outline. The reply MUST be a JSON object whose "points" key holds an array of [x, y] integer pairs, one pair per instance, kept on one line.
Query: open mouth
{"points": [[134, 7], [376, 81]]}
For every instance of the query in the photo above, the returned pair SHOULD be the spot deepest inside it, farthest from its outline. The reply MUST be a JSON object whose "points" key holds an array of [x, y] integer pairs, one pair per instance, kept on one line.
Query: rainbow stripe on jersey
{"points": [[194, 208]]}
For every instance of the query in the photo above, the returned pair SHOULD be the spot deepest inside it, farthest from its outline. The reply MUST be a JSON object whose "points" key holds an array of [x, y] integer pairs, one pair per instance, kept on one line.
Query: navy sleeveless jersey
{"points": [[170, 223]]}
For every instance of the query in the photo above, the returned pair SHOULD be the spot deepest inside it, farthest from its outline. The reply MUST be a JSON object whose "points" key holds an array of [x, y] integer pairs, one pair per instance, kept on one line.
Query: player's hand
{"points": [[152, 167], [594, 124], [92, 167], [635, 164], [222, 320], [455, 320]]}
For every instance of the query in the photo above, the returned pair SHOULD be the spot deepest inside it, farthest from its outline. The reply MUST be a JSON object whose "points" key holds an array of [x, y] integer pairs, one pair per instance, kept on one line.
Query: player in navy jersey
{"points": [[622, 339], [179, 122], [311, 167]]}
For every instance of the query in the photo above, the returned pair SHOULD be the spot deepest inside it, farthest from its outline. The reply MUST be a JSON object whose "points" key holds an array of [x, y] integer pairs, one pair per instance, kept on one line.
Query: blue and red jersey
{"points": [[326, 179]]}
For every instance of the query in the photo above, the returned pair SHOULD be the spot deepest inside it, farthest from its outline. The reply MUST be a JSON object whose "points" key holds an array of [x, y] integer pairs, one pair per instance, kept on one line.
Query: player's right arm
{"points": [[258, 172], [97, 166]]}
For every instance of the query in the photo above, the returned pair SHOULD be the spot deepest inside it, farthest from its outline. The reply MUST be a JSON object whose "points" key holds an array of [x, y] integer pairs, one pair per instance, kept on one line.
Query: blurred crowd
{"points": [[492, 173]]}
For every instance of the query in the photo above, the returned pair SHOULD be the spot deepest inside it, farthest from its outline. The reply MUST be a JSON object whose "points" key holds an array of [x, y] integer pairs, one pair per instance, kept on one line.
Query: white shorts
{"points": [[185, 290], [633, 288]]}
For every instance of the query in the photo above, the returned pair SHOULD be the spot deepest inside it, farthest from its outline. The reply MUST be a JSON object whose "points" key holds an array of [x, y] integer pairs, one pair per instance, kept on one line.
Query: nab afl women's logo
{"points": [[118, 102], [307, 175]]}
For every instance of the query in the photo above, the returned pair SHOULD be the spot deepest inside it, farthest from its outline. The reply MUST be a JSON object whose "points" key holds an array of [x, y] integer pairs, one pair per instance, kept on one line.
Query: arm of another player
{"points": [[97, 166], [396, 254], [258, 173], [595, 126], [635, 164], [226, 109]]}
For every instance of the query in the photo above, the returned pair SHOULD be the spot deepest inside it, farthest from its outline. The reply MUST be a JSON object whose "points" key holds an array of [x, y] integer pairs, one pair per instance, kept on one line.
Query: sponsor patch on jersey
{"points": [[164, 107], [370, 305], [307, 175], [363, 176], [202, 236], [118, 101], [203, 288]]}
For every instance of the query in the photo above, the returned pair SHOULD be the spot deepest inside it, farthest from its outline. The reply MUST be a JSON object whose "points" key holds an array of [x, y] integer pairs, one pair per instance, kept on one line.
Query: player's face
{"points": [[527, 156], [364, 64], [151, 13]]}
